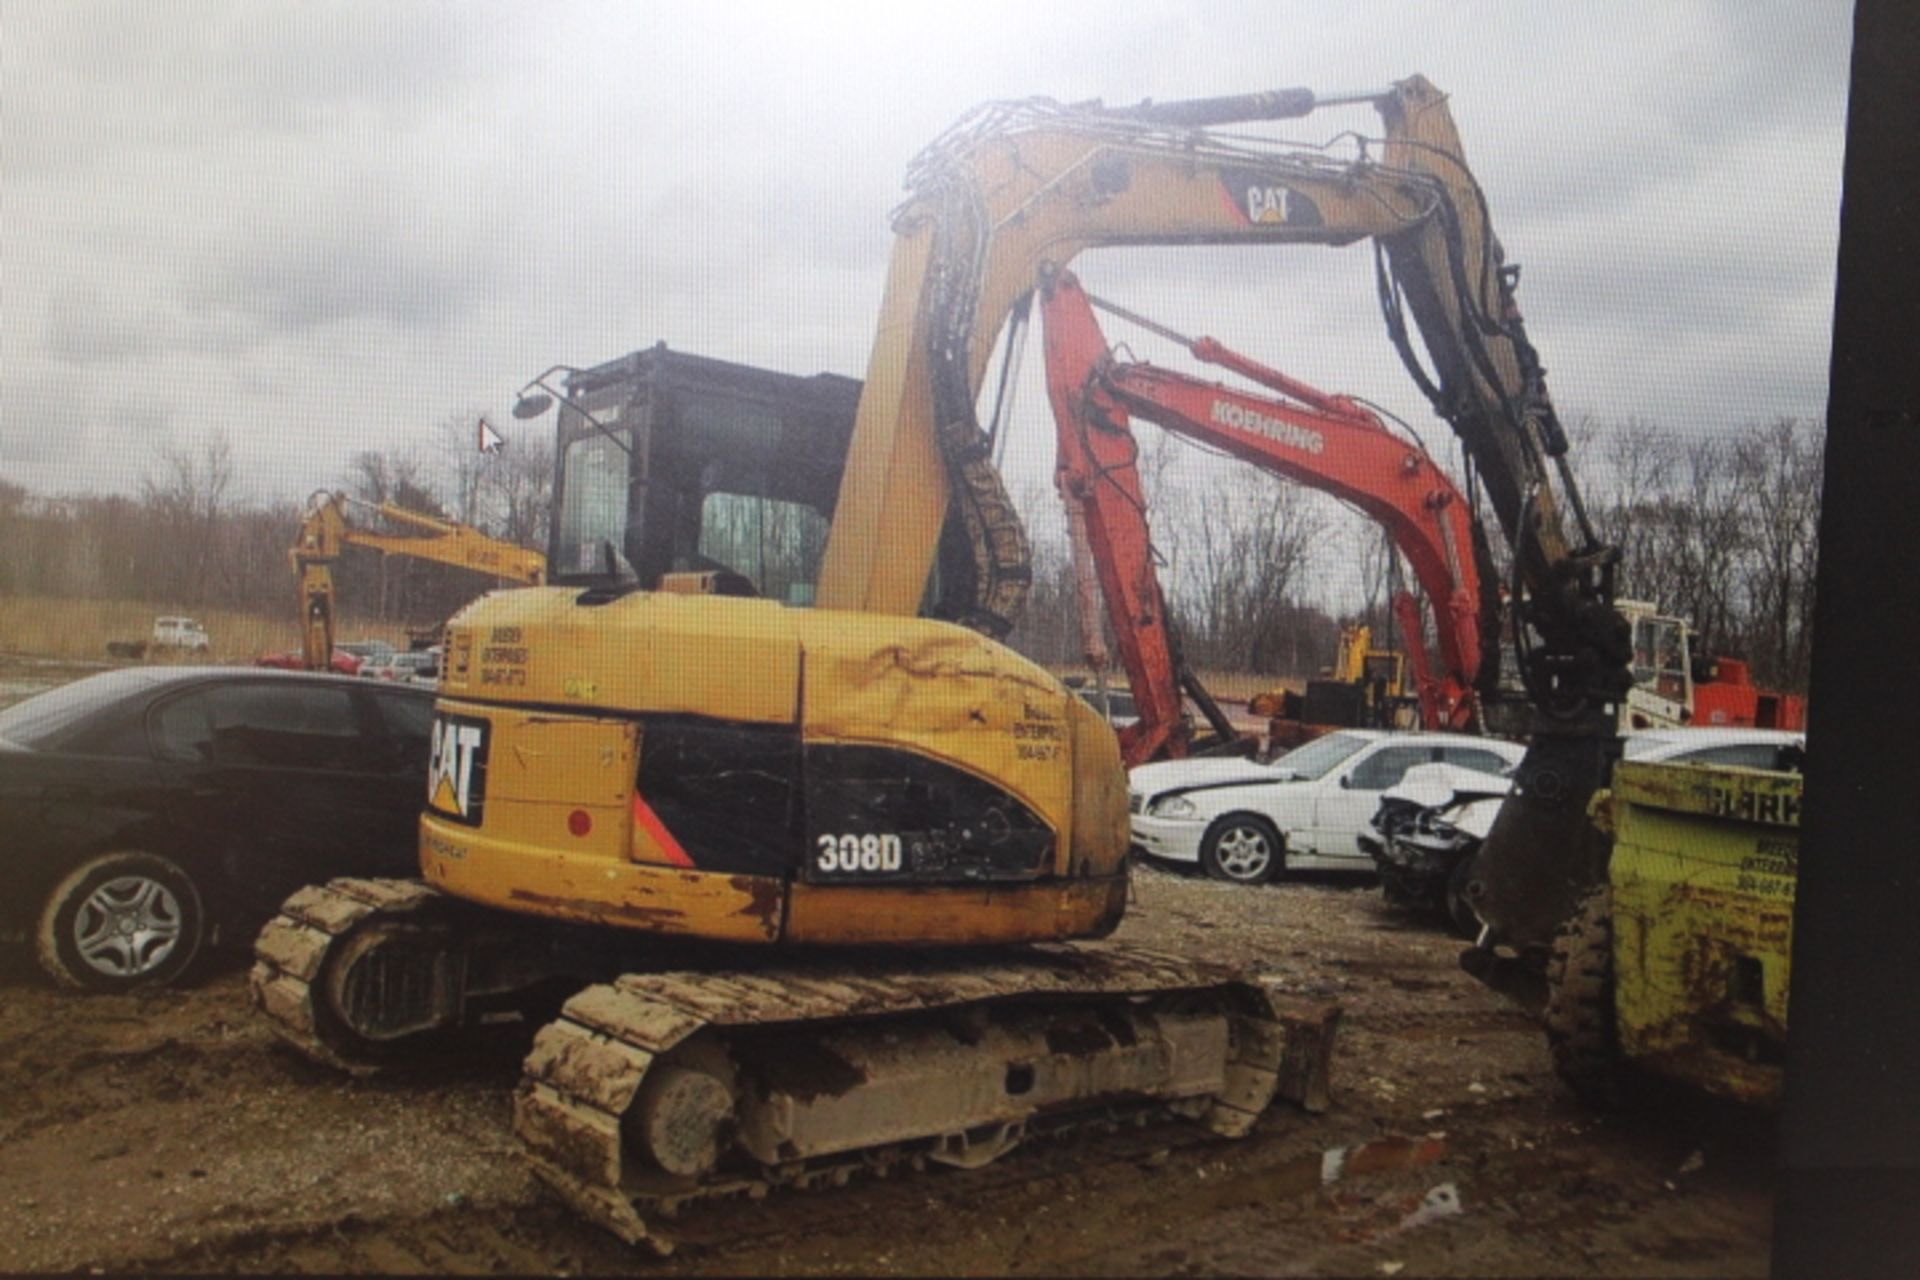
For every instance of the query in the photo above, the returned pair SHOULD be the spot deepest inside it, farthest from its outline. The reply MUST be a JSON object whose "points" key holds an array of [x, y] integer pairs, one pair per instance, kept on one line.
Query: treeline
{"points": [[1720, 529], [1260, 574], [186, 539]]}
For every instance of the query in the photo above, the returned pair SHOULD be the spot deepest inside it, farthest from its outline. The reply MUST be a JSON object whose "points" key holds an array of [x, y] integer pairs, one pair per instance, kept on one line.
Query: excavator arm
{"points": [[1330, 443], [1015, 186], [1106, 511], [325, 533]]}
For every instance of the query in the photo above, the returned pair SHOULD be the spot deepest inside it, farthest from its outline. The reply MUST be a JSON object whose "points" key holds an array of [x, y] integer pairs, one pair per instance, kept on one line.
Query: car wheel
{"points": [[1242, 848], [1583, 1032], [121, 921], [1459, 911]]}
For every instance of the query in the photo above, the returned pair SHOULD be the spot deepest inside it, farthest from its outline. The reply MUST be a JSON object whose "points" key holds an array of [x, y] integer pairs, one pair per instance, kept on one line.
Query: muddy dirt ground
{"points": [[169, 1132]]}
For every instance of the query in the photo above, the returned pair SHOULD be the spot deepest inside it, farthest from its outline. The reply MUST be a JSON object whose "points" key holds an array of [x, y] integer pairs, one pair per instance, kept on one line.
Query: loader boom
{"points": [[325, 533]]}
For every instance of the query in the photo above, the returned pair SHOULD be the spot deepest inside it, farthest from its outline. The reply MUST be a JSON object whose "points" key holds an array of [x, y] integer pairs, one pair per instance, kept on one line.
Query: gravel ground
{"points": [[169, 1132]]}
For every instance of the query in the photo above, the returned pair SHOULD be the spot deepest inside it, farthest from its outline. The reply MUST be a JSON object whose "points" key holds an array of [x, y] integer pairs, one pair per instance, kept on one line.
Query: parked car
{"points": [[1247, 822], [152, 812], [1426, 830], [422, 668], [180, 633], [341, 663], [365, 650], [427, 672]]}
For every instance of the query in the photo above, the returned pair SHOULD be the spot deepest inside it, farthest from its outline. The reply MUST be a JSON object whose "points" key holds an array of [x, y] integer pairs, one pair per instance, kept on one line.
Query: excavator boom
{"points": [[1013, 187], [1330, 443]]}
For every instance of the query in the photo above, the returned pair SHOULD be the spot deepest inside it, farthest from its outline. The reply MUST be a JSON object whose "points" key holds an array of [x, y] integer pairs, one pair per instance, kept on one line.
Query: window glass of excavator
{"points": [[593, 504], [756, 517], [777, 544]]}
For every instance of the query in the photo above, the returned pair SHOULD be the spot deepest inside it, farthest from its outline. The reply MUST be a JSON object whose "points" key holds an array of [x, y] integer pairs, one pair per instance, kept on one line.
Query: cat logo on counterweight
{"points": [[457, 775]]}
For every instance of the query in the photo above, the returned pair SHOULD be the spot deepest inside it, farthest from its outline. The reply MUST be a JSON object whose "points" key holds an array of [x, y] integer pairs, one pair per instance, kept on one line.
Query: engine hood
{"points": [[1184, 775]]}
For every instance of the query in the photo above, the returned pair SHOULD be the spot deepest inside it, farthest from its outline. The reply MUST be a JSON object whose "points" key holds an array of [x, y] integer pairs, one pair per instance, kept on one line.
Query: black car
{"points": [[150, 812]]}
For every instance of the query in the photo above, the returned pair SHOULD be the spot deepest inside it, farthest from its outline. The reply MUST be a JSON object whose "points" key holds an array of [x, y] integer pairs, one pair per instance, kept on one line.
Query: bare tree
{"points": [[456, 466], [1780, 472], [14, 523], [185, 496], [1721, 529], [1245, 547], [378, 477], [1049, 628], [394, 476], [518, 487]]}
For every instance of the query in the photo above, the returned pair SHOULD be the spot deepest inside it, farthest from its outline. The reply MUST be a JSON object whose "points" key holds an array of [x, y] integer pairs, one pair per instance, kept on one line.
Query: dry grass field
{"points": [[81, 629]]}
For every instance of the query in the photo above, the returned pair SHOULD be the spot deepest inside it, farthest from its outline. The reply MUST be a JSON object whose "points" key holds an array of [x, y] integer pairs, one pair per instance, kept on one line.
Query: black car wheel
{"points": [[121, 921], [1242, 848]]}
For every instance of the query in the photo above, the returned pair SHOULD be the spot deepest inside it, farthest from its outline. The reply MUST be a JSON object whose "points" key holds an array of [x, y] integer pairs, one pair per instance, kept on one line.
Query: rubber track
{"points": [[586, 1068], [293, 947]]}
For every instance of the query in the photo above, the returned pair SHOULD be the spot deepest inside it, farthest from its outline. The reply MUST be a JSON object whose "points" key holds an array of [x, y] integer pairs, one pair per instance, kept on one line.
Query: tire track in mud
{"points": [[469, 1240], [104, 1080], [1007, 1201], [1098, 1207]]}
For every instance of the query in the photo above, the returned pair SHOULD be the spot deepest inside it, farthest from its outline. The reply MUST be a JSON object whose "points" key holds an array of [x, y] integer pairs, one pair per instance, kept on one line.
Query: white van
{"points": [[180, 633]]}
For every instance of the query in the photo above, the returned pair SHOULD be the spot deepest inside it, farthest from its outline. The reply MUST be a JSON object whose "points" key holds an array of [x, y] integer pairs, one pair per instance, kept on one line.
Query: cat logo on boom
{"points": [[1257, 199], [457, 778]]}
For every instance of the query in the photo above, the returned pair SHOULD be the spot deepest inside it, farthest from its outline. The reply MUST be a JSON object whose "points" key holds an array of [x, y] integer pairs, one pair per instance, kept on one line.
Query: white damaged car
{"points": [[1307, 809]]}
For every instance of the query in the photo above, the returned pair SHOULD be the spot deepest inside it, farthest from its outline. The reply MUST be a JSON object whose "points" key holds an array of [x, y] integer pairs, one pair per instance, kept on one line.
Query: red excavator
{"points": [[1332, 443]]}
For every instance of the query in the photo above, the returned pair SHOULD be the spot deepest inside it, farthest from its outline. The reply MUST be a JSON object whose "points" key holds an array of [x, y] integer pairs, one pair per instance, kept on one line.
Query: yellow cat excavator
{"points": [[826, 867]]}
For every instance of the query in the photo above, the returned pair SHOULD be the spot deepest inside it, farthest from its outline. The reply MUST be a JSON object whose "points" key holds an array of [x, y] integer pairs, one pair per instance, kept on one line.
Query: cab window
{"points": [[778, 545], [1659, 656]]}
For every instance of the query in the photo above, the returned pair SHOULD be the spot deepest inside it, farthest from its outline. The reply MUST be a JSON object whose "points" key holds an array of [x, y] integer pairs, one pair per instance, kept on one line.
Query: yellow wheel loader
{"points": [[1679, 965]]}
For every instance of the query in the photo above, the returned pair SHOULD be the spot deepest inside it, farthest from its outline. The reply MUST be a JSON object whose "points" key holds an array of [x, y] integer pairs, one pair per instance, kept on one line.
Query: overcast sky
{"points": [[326, 226]]}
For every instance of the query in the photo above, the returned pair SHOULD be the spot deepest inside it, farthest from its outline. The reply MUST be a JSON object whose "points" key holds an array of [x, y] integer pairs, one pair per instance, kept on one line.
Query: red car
{"points": [[343, 663]]}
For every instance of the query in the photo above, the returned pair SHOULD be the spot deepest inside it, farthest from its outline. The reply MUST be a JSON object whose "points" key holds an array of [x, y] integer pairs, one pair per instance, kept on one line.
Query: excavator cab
{"points": [[672, 463]]}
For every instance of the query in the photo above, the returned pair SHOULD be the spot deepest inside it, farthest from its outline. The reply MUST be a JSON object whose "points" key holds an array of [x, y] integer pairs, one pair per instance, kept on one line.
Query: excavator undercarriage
{"points": [[662, 1085], [662, 1088]]}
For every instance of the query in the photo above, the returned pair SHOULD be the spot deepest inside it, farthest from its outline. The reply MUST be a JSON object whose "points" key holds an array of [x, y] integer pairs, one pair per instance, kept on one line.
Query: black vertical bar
{"points": [[1850, 1188]]}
